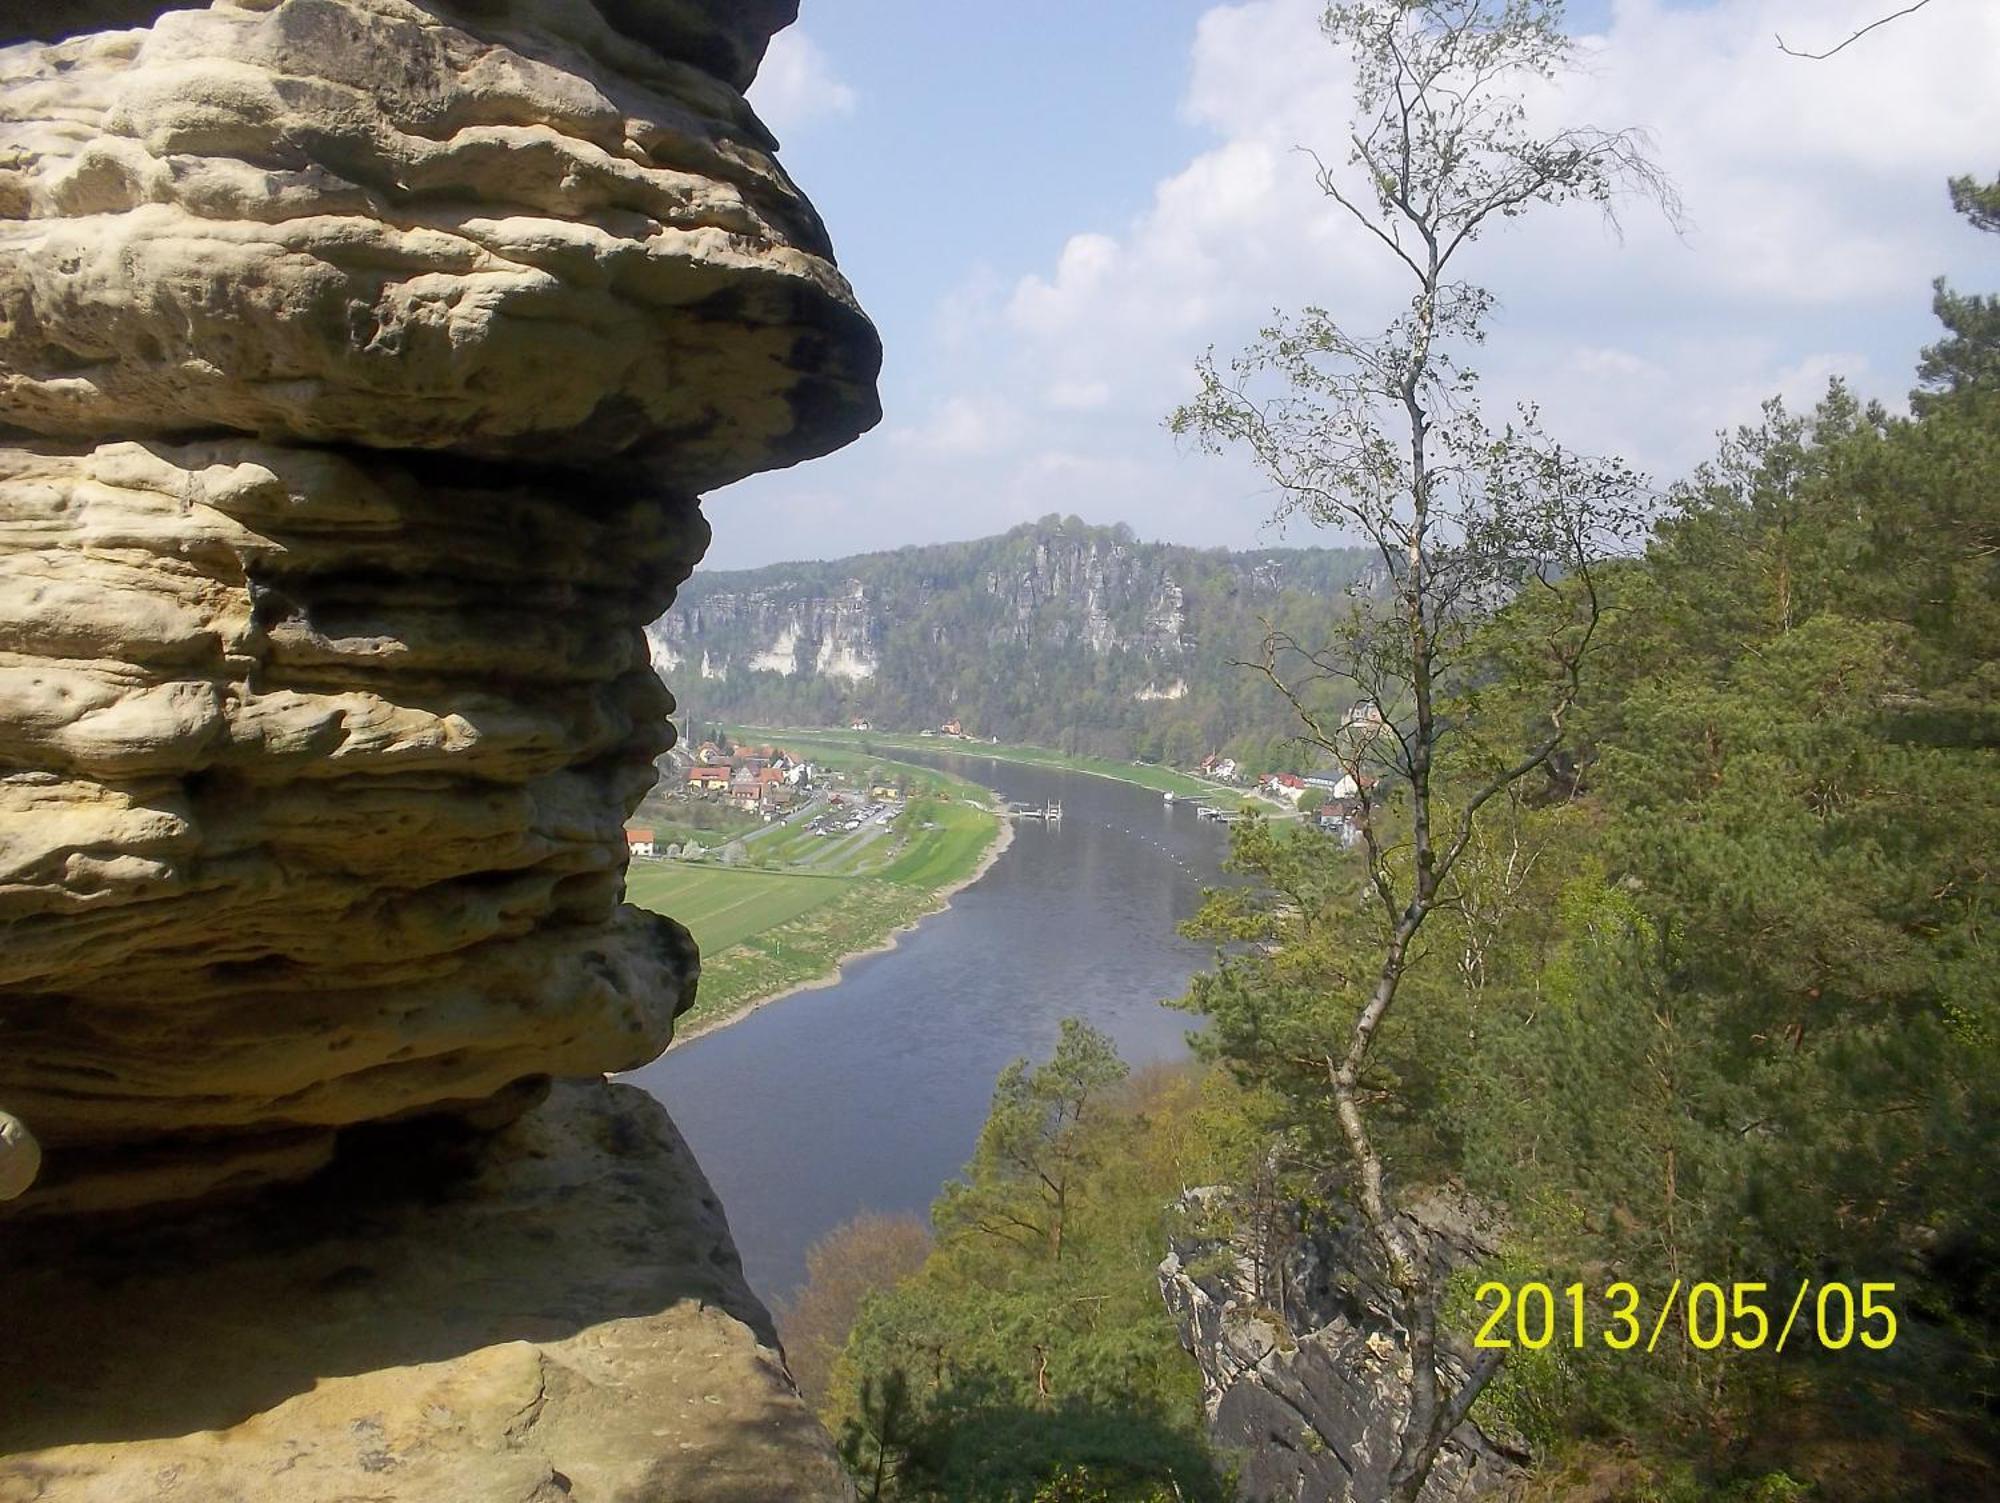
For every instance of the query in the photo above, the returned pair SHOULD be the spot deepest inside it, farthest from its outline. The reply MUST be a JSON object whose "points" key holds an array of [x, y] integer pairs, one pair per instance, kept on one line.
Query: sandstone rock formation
{"points": [[1303, 1361], [492, 228], [20, 1157], [555, 1313], [360, 364]]}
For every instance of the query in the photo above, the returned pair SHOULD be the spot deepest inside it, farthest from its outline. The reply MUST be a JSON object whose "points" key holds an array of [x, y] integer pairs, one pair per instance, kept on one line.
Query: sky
{"points": [[1051, 210]]}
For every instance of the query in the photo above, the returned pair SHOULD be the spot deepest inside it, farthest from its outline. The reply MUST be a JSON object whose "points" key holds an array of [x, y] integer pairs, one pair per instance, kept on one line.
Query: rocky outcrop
{"points": [[836, 635], [360, 364], [493, 228], [20, 1157], [1303, 1360], [553, 1313]]}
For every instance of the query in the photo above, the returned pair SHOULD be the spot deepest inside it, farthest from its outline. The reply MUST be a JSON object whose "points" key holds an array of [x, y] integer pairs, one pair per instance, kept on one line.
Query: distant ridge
{"points": [[1056, 632]]}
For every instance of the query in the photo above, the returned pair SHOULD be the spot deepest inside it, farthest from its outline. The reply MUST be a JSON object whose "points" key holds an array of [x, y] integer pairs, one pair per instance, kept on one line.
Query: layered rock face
{"points": [[1304, 1364], [360, 364]]}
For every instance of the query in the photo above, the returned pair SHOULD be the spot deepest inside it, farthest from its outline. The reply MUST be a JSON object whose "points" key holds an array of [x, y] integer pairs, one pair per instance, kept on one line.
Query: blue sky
{"points": [[1051, 209]]}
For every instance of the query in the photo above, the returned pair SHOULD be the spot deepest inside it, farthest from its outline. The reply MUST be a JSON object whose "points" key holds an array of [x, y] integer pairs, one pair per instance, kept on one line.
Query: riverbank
{"points": [[697, 1021], [792, 917], [868, 1096], [1138, 774]]}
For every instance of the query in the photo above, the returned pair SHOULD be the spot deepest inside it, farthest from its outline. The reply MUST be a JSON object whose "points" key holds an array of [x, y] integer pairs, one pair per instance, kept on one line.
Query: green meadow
{"points": [[803, 902]]}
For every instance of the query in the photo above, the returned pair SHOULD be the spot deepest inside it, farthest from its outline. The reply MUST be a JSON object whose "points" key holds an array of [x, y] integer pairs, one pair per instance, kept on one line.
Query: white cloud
{"points": [[1079, 396], [1816, 217], [958, 427], [798, 84]]}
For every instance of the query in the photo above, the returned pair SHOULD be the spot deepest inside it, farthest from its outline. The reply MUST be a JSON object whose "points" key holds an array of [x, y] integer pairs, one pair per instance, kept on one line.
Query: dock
{"points": [[1049, 813]]}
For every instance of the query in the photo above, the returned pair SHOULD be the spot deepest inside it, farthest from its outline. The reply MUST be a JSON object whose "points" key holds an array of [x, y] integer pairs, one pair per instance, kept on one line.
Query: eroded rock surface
{"points": [[318, 771], [361, 362], [553, 1313], [1304, 1363], [504, 229]]}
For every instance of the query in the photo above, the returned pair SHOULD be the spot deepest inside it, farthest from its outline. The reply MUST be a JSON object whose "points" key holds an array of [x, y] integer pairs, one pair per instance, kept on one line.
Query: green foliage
{"points": [[1026, 1362], [1035, 1146], [1968, 357], [1716, 1001], [1711, 1000]]}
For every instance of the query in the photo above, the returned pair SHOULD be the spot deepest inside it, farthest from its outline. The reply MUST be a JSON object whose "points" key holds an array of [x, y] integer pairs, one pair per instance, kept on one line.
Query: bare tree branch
{"points": [[1895, 15]]}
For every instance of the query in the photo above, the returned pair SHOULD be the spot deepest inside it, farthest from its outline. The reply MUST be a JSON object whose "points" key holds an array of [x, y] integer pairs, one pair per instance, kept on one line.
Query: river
{"points": [[868, 1095]]}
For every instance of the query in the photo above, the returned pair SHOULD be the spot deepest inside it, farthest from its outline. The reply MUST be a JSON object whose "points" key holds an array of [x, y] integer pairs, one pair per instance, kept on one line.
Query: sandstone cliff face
{"points": [[362, 361], [1304, 1372], [499, 229]]}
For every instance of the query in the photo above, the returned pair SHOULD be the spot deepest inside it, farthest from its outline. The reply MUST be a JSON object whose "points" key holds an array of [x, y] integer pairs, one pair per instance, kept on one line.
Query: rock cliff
{"points": [[362, 361], [361, 365], [1052, 626], [1302, 1357]]}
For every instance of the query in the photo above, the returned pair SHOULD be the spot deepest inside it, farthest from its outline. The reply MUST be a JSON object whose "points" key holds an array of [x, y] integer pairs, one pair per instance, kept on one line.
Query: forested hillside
{"points": [[1057, 633], [1711, 1002], [1716, 1001]]}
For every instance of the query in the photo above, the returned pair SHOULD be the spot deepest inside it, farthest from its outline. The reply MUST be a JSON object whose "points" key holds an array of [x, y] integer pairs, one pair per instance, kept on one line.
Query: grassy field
{"points": [[1144, 775], [810, 901], [863, 913], [945, 842], [723, 906]]}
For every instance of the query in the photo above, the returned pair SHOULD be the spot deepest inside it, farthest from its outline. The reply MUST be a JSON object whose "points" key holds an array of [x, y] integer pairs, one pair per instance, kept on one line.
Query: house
{"points": [[952, 728], [883, 792], [1223, 769], [759, 789], [1340, 818], [708, 753], [858, 724], [1286, 785], [639, 842], [1334, 781], [1359, 727], [710, 777]]}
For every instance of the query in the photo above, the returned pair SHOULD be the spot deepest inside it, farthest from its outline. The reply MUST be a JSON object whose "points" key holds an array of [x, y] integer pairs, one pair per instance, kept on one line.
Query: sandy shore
{"points": [[941, 900]]}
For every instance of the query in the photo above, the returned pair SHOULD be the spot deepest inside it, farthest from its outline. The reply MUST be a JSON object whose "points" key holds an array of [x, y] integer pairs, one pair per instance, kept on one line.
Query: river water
{"points": [[868, 1095]]}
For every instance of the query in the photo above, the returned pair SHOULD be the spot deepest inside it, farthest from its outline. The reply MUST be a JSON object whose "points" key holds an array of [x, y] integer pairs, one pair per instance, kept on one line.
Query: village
{"points": [[742, 802], [724, 797]]}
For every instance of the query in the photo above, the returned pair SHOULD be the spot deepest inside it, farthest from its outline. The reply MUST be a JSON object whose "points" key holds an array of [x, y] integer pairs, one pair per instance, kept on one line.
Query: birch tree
{"points": [[1381, 435]]}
